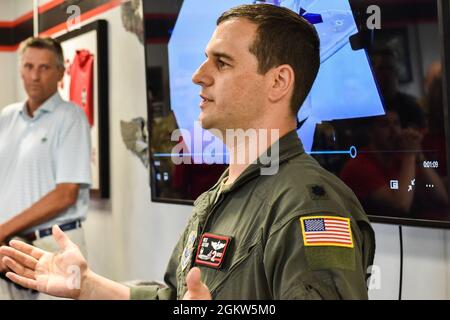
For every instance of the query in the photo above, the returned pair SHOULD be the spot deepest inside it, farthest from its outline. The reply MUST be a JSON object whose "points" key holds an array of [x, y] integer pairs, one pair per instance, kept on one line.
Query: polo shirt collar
{"points": [[48, 106]]}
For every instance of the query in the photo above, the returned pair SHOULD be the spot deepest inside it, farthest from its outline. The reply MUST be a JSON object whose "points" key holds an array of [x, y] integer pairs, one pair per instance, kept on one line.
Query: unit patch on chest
{"points": [[211, 250]]}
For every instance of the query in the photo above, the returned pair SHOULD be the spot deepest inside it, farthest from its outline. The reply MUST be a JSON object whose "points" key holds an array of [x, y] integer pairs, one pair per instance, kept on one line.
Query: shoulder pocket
{"points": [[315, 285]]}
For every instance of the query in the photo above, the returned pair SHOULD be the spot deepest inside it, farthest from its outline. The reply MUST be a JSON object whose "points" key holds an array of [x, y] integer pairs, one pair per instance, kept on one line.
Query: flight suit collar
{"points": [[289, 146]]}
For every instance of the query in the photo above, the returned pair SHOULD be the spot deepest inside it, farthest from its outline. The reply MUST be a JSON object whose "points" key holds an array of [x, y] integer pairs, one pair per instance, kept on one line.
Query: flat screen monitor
{"points": [[376, 116]]}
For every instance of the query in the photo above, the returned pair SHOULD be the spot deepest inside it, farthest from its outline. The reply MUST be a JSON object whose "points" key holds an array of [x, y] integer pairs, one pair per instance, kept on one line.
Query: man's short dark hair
{"points": [[44, 43], [282, 37]]}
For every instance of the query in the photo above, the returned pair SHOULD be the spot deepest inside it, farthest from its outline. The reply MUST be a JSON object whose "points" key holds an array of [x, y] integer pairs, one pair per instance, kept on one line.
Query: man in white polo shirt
{"points": [[44, 159]]}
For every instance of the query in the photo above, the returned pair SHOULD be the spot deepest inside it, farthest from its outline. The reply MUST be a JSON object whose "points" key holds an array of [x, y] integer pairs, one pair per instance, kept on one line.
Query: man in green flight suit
{"points": [[283, 229]]}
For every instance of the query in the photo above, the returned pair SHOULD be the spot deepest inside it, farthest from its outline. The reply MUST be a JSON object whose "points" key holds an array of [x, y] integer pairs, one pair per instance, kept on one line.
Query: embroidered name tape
{"points": [[326, 231], [211, 250]]}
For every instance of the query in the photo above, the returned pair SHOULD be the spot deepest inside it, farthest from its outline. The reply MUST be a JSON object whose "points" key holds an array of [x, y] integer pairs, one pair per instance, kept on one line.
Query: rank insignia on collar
{"points": [[211, 250]]}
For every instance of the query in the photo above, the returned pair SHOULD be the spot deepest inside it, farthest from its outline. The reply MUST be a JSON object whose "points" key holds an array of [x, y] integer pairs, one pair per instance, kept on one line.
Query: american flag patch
{"points": [[326, 231]]}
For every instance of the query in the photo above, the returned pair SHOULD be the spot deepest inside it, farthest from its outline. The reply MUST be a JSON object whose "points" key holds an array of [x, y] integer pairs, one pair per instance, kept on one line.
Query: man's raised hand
{"points": [[196, 289], [59, 274]]}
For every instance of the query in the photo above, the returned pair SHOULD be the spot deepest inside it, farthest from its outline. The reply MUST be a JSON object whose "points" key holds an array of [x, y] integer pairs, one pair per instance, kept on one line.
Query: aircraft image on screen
{"points": [[345, 87]]}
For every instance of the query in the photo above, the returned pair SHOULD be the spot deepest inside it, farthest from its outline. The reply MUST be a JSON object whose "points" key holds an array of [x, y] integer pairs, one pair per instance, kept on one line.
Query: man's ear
{"points": [[62, 71], [282, 83]]}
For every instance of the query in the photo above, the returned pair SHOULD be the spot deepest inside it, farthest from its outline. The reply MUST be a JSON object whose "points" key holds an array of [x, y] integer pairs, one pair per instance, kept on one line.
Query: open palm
{"points": [[58, 274]]}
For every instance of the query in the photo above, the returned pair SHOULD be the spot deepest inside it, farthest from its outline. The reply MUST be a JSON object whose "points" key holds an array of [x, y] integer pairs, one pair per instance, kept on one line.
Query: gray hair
{"points": [[44, 43]]}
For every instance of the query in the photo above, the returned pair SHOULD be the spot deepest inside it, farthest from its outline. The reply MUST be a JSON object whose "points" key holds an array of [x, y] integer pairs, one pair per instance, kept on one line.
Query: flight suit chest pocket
{"points": [[240, 255]]}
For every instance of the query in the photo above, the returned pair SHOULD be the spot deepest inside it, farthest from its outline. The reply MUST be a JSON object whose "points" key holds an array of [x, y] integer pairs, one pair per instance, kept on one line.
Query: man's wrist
{"points": [[87, 285], [95, 287], [9, 229], [3, 234]]}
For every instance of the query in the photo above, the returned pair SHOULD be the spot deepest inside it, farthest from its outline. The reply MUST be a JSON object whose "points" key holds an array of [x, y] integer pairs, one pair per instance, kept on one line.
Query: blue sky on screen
{"points": [[345, 87]]}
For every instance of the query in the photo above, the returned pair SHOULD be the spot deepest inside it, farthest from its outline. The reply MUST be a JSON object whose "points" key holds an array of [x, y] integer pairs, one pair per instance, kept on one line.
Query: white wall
{"points": [[8, 10], [10, 81], [447, 254], [129, 237], [8, 63], [387, 259], [8, 60], [22, 7], [426, 263]]}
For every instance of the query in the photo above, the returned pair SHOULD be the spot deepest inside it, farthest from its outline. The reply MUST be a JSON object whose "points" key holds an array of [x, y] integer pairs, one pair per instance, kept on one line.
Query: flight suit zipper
{"points": [[208, 215]]}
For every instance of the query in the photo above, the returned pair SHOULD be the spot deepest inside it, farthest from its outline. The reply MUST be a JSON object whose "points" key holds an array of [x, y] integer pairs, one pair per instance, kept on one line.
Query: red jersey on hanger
{"points": [[81, 82]]}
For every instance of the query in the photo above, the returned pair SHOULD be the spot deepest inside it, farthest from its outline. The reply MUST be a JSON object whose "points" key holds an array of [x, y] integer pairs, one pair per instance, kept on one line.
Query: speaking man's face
{"points": [[232, 91]]}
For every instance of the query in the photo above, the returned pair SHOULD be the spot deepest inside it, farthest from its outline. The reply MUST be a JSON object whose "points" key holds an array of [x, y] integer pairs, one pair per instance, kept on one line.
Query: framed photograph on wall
{"points": [[85, 83]]}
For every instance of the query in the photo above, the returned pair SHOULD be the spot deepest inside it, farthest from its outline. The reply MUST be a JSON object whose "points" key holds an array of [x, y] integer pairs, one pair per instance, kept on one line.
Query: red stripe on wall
{"points": [[29, 15], [6, 24], [9, 48], [14, 23], [62, 26], [85, 16]]}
